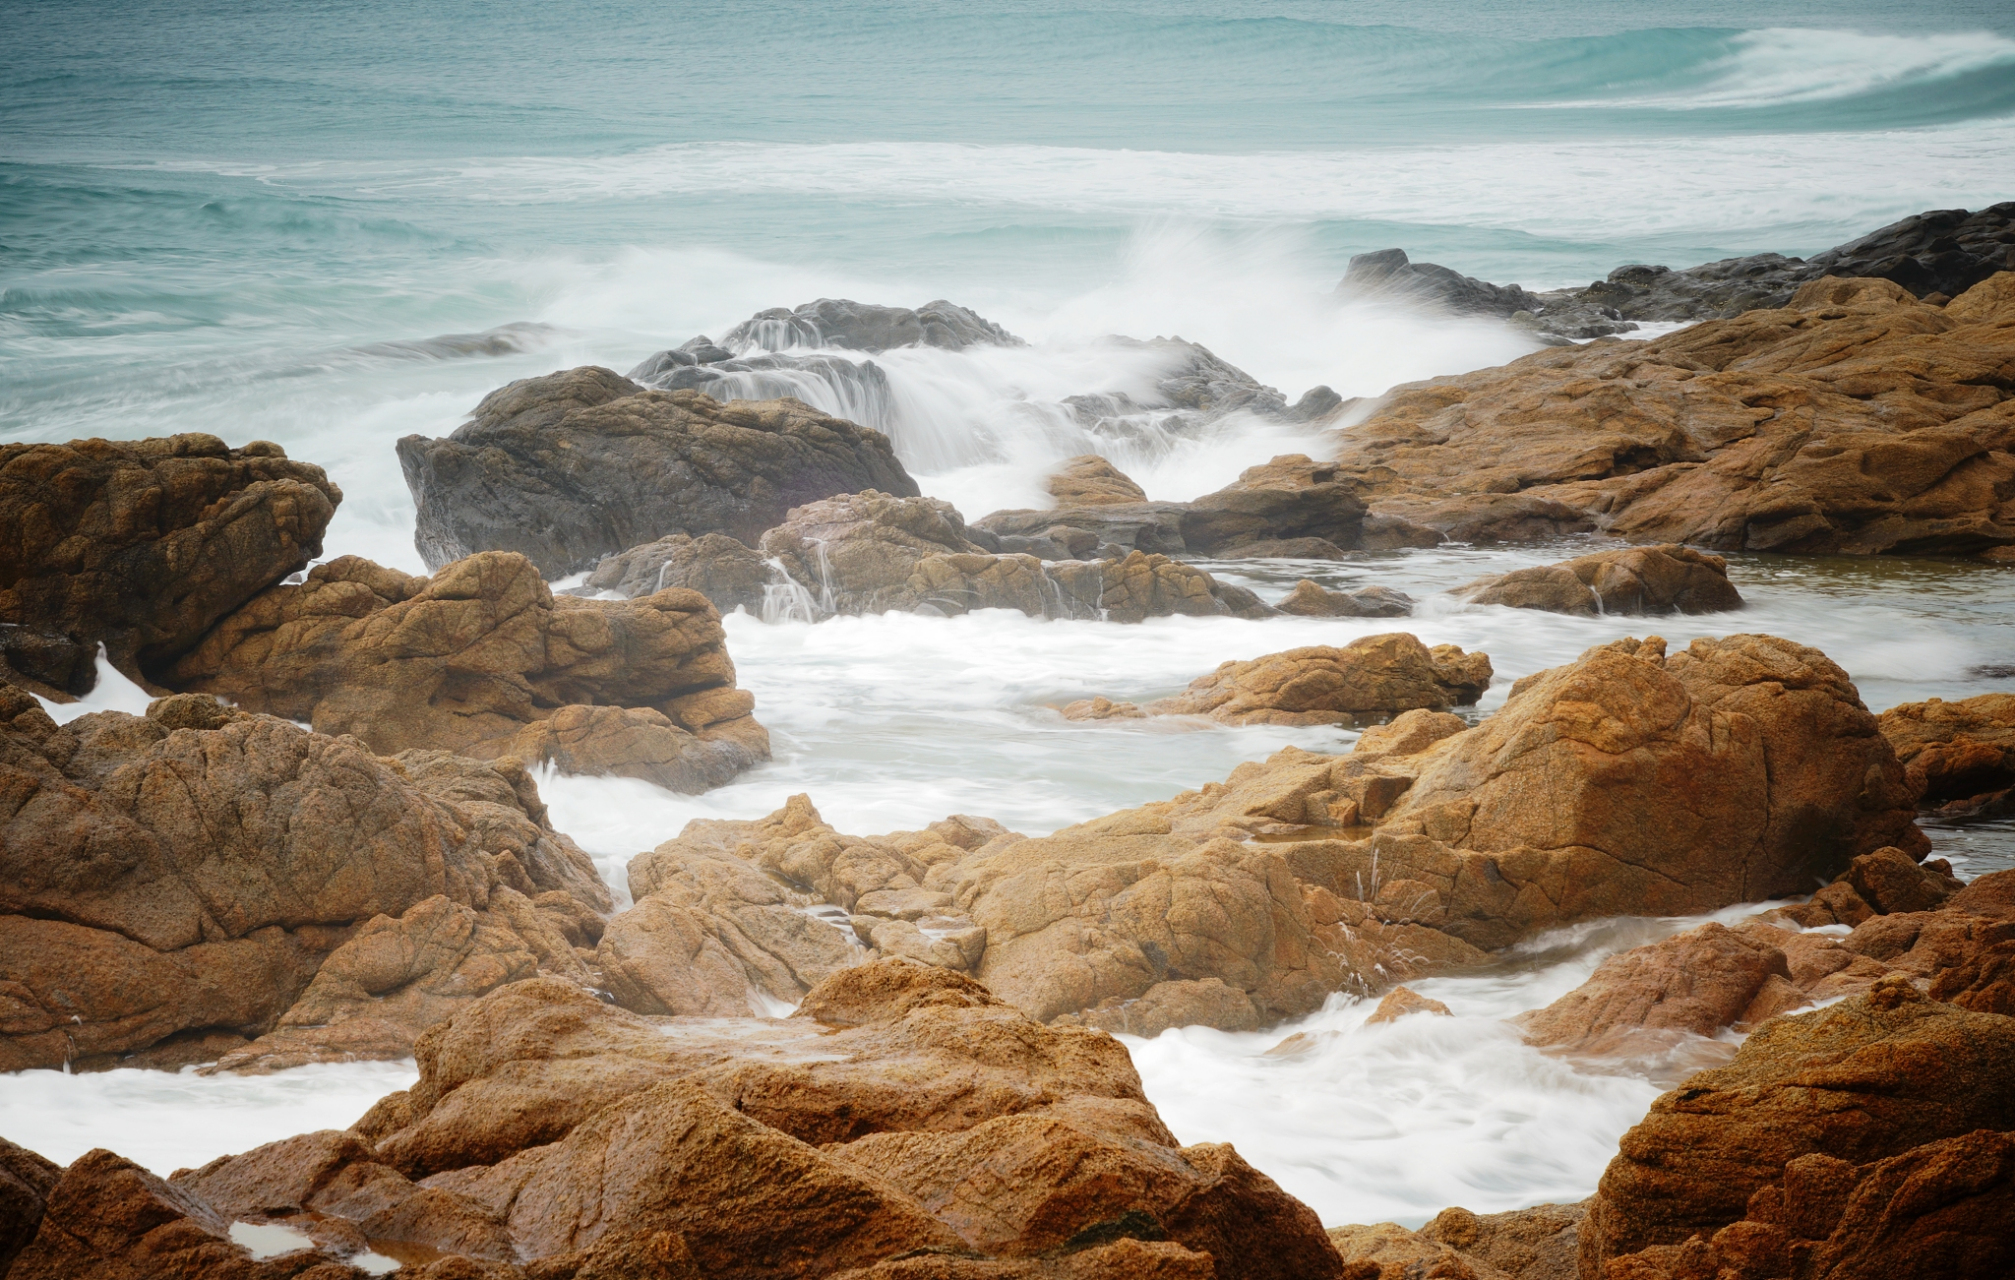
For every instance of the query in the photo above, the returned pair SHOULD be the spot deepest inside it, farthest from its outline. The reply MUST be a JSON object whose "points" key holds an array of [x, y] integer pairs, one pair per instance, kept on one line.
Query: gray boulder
{"points": [[574, 466]]}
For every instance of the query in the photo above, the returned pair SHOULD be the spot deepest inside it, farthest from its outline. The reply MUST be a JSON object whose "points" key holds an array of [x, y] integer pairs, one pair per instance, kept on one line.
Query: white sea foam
{"points": [[1707, 187], [112, 692], [172, 1120]]}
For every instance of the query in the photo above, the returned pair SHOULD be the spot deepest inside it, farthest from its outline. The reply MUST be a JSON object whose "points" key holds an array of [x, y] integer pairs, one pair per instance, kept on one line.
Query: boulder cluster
{"points": [[324, 840]]}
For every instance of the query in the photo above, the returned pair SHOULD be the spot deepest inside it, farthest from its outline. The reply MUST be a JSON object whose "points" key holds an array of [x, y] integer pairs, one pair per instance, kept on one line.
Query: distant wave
{"points": [[1593, 188], [1785, 66]]}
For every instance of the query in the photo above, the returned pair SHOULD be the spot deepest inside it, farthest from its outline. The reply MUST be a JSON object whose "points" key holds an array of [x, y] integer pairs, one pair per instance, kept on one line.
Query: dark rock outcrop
{"points": [[174, 884], [1940, 253], [1857, 420], [26, 1179], [860, 326], [577, 465], [482, 659], [141, 546], [1389, 273], [1632, 582]]}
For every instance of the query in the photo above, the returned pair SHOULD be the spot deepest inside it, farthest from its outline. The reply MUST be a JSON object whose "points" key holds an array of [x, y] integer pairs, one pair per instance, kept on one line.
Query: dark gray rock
{"points": [[861, 326], [857, 389], [582, 464], [1943, 251], [1389, 273], [1077, 532]]}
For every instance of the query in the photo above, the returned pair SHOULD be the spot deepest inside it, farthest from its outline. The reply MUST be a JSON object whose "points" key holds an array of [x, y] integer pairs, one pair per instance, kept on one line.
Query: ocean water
{"points": [[259, 219]]}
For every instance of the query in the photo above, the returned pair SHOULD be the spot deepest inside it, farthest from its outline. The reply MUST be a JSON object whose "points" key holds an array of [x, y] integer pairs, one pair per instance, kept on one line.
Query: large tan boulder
{"points": [[1632, 582], [140, 546], [171, 885], [1960, 756], [1371, 676], [1862, 1081], [573, 466], [483, 660], [903, 1112], [1633, 782], [1857, 419]]}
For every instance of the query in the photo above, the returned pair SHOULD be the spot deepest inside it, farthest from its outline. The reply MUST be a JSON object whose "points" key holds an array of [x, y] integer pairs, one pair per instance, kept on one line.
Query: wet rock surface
{"points": [[903, 1113], [484, 660], [201, 876], [729, 574], [873, 552], [574, 466], [1813, 1129], [1855, 420], [140, 546], [1290, 500], [1632, 582]]}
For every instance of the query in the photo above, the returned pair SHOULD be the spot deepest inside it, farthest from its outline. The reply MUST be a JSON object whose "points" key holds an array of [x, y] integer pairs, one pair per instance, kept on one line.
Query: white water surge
{"points": [[892, 722]]}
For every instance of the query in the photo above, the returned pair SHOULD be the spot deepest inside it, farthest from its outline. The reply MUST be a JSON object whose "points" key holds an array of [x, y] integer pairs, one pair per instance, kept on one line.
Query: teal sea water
{"points": [[218, 215], [259, 219]]}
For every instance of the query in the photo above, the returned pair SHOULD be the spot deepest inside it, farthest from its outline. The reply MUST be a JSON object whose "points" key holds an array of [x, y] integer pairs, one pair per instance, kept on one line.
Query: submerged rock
{"points": [[1959, 756], [729, 574], [1856, 420], [903, 1112], [577, 465], [482, 659], [1372, 676], [175, 884], [141, 546], [1631, 582], [1313, 600]]}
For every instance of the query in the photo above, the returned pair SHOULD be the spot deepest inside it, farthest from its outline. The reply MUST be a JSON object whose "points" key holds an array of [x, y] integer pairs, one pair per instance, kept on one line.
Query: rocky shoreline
{"points": [[324, 841]]}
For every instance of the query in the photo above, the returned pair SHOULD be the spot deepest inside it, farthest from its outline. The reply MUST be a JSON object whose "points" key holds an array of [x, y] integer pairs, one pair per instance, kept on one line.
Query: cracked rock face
{"points": [[483, 660], [903, 1109], [140, 546], [1804, 1131], [176, 884]]}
